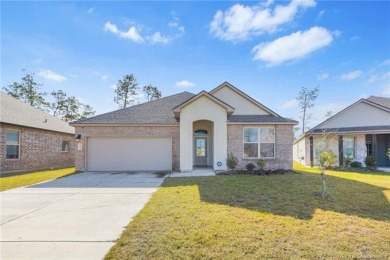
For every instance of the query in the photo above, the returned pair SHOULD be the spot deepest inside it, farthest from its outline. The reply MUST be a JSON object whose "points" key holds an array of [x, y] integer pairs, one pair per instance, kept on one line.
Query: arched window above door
{"points": [[201, 132]]}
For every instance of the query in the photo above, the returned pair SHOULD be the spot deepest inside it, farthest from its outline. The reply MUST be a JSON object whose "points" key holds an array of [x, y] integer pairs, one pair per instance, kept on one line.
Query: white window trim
{"points": [[354, 146], [6, 144], [258, 142]]}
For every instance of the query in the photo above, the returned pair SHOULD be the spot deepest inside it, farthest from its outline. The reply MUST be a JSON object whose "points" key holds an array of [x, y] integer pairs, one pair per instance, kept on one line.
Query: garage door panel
{"points": [[129, 154]]}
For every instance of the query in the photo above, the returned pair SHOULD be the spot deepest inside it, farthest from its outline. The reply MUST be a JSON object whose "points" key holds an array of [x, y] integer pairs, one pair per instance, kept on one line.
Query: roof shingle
{"points": [[156, 112], [382, 101], [16, 112]]}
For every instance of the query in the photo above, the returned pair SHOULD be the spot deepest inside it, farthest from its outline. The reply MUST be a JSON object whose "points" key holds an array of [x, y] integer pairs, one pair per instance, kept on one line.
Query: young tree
{"points": [[306, 98], [58, 107], [126, 91], [327, 158], [151, 92], [69, 108], [87, 111], [28, 91]]}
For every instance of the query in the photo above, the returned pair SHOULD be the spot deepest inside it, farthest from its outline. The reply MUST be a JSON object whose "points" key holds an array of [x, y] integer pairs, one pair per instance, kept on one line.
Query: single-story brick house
{"points": [[184, 131], [31, 139], [361, 129]]}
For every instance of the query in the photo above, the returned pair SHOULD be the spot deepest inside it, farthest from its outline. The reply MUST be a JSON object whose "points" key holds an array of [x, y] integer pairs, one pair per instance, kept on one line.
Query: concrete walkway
{"points": [[194, 173], [76, 217]]}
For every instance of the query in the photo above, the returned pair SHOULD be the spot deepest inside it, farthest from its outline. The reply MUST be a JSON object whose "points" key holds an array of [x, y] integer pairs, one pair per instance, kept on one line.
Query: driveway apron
{"points": [[76, 217]]}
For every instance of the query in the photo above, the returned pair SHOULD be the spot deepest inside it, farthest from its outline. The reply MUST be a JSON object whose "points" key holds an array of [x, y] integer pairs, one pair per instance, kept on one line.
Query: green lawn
{"points": [[20, 180], [253, 217]]}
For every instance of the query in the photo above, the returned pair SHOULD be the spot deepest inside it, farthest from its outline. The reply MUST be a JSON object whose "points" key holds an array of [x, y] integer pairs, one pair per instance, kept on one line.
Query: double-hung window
{"points": [[259, 142], [349, 147], [12, 143]]}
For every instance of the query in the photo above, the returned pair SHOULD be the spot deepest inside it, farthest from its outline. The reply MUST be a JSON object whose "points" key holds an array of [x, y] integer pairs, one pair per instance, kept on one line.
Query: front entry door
{"points": [[200, 151]]}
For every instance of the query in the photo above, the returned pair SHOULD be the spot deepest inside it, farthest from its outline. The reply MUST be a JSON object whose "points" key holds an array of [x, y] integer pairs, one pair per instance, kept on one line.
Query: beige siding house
{"points": [[185, 131], [31, 139], [359, 130]]}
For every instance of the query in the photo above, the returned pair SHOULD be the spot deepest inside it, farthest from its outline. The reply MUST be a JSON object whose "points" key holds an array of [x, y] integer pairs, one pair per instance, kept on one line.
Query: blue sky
{"points": [[268, 49]]}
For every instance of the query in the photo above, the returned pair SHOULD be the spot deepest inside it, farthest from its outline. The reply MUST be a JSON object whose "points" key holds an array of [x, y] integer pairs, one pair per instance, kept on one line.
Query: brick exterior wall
{"points": [[283, 146], [38, 149], [126, 131], [361, 148]]}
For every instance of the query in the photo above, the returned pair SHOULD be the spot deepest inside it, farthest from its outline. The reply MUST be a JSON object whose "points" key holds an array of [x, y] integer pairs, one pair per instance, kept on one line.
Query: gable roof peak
{"points": [[382, 103], [176, 110], [244, 95]]}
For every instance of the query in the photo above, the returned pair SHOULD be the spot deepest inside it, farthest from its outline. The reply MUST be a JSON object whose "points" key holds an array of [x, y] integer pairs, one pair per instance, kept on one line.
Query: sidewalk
{"points": [[194, 173]]}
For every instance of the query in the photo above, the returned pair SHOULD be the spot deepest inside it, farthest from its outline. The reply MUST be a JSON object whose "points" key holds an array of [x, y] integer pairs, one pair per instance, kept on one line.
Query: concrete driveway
{"points": [[76, 217]]}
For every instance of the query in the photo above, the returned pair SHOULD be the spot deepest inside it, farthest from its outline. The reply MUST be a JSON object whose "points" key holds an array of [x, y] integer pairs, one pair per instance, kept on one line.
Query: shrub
{"points": [[231, 161], [370, 161], [261, 163], [327, 158], [250, 166], [356, 164], [347, 160], [388, 153]]}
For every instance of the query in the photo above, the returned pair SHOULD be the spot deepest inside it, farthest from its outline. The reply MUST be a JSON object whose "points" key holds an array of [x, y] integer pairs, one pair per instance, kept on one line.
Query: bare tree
{"points": [[306, 98], [126, 91]]}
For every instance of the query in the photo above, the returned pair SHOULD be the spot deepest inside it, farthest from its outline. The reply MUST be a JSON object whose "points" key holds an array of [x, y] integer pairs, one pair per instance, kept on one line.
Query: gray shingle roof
{"points": [[350, 129], [383, 101], [157, 112], [16, 112], [260, 119]]}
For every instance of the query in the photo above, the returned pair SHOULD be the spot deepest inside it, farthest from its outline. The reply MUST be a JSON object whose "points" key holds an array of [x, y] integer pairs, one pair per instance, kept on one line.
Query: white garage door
{"points": [[129, 154]]}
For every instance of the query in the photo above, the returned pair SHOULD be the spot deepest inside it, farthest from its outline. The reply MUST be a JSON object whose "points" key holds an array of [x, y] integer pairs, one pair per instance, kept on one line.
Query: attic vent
{"points": [[201, 132]]}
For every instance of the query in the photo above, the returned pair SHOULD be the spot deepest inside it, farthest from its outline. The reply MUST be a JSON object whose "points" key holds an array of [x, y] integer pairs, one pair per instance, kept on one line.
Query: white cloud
{"points": [[382, 81], [175, 23], [337, 33], [320, 14], [48, 74], [158, 38], [113, 86], [240, 22], [384, 63], [322, 76], [292, 47], [90, 10], [292, 103], [185, 84], [131, 34], [354, 38], [351, 75], [104, 77]]}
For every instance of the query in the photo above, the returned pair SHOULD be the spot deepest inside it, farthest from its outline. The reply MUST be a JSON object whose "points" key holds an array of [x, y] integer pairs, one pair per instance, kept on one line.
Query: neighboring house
{"points": [[359, 130], [184, 131], [32, 139]]}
